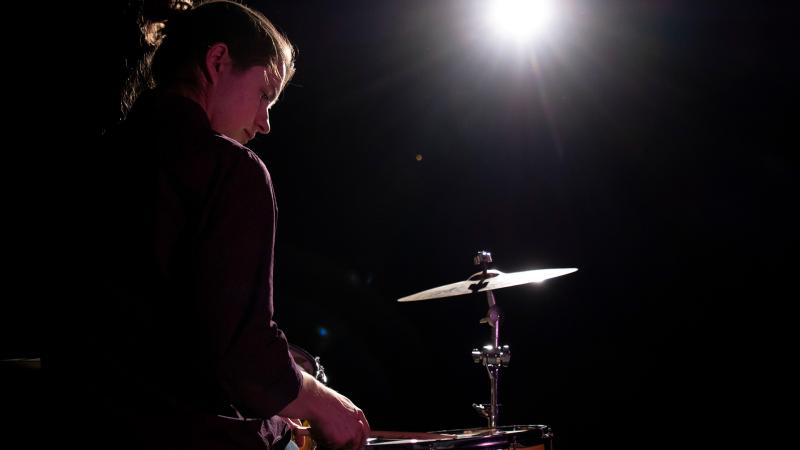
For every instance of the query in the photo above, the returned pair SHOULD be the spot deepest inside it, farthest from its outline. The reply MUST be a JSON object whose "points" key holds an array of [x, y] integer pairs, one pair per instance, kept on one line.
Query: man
{"points": [[176, 315]]}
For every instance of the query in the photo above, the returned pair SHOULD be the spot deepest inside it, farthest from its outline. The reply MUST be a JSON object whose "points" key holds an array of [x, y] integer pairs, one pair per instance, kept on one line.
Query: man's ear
{"points": [[217, 60]]}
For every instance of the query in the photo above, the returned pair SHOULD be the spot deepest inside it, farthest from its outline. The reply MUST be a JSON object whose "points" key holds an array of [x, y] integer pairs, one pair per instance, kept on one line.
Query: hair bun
{"points": [[160, 10]]}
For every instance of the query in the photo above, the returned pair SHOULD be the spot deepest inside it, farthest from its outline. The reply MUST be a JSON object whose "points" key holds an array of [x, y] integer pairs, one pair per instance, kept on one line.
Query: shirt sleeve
{"points": [[234, 290]]}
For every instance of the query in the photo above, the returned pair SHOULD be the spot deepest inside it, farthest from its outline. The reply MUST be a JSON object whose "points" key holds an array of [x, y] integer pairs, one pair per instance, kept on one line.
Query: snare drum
{"points": [[520, 437]]}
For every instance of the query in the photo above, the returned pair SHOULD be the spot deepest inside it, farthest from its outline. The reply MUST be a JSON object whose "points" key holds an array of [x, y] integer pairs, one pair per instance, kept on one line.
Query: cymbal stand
{"points": [[492, 356]]}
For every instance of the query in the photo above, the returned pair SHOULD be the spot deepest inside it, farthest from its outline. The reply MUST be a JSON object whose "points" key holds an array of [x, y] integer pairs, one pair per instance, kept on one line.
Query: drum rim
{"points": [[521, 435]]}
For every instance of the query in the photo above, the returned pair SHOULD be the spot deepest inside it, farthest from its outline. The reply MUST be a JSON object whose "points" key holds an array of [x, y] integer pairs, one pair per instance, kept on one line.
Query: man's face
{"points": [[242, 100]]}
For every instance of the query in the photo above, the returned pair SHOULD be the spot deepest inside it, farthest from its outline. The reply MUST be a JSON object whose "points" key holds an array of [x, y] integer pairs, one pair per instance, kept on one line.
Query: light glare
{"points": [[521, 19]]}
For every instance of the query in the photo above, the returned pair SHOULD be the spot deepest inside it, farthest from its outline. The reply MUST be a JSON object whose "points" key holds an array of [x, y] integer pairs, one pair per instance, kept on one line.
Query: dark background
{"points": [[648, 143]]}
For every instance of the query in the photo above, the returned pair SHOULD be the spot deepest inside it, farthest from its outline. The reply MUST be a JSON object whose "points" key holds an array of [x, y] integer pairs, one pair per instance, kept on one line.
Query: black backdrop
{"points": [[648, 143]]}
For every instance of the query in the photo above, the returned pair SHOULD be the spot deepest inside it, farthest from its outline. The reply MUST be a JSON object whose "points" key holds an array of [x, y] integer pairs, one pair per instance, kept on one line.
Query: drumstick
{"points": [[407, 435], [305, 431]]}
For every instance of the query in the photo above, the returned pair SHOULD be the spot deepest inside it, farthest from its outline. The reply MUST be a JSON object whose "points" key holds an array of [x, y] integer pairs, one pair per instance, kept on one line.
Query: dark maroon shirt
{"points": [[177, 313]]}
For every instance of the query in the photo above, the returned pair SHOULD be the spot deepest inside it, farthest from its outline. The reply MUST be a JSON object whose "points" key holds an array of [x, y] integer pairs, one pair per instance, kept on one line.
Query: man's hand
{"points": [[335, 421]]}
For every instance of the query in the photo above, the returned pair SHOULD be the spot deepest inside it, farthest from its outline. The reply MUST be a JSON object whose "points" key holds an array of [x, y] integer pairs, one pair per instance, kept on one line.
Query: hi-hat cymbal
{"points": [[494, 280]]}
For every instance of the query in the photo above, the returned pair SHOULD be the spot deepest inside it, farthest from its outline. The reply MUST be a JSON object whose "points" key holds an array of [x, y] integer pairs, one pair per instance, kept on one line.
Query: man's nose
{"points": [[262, 124]]}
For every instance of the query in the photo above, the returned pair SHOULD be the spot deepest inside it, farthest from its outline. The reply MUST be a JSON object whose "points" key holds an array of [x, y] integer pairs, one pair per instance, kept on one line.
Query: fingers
{"points": [[363, 418], [340, 423], [365, 429], [359, 433], [362, 440], [294, 423]]}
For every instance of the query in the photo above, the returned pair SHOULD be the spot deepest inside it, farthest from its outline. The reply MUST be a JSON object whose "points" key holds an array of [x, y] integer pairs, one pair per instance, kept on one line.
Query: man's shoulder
{"points": [[234, 152]]}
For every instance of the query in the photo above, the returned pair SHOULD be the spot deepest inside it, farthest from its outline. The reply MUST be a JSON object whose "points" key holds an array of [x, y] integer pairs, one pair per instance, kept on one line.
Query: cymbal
{"points": [[494, 280]]}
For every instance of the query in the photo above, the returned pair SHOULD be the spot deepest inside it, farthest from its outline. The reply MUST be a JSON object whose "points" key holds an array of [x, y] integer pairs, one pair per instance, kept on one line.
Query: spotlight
{"points": [[521, 19]]}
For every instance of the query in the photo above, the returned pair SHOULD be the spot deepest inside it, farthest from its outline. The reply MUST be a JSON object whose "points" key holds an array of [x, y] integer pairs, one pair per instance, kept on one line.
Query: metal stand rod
{"points": [[493, 370], [493, 318], [493, 356]]}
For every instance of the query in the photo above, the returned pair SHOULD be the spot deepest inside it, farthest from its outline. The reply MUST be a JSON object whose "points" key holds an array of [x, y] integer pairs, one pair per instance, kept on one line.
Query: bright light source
{"points": [[521, 19]]}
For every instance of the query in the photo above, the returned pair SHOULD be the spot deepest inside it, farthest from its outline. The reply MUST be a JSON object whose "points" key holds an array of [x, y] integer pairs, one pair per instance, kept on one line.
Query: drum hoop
{"points": [[518, 436]]}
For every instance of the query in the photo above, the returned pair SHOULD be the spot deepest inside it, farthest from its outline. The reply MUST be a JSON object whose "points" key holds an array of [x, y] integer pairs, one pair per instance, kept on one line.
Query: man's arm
{"points": [[233, 288]]}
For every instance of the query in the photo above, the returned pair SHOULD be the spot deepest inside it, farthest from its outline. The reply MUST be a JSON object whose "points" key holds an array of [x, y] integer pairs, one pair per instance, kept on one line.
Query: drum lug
{"points": [[320, 375]]}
